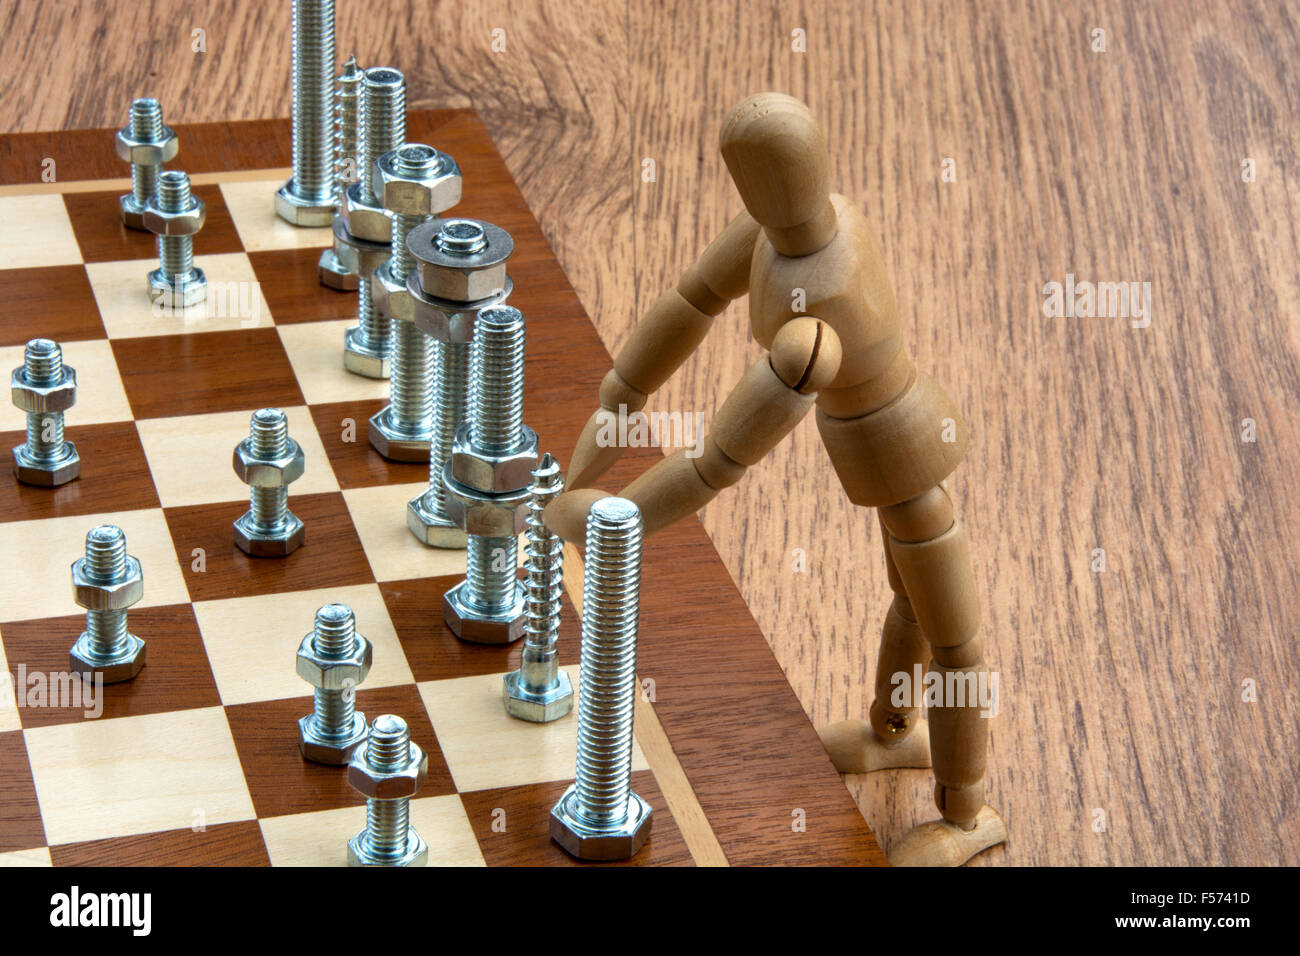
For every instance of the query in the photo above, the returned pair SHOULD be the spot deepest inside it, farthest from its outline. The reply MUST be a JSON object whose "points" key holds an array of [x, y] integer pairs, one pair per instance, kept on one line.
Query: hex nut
{"points": [[589, 843], [43, 398], [146, 154], [363, 220], [430, 530], [132, 212], [334, 673], [387, 784], [178, 295], [445, 320], [415, 854], [332, 274], [358, 256], [328, 750], [393, 444], [388, 295], [117, 596], [45, 474], [465, 623], [360, 359], [302, 212], [258, 545], [426, 195], [184, 222], [269, 472], [81, 661], [479, 513], [494, 472], [459, 277], [537, 708]]}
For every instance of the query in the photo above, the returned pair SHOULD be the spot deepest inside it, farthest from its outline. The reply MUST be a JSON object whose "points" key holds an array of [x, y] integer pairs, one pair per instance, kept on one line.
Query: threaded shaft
{"points": [[146, 125], [544, 582], [376, 328], [335, 636], [496, 401], [105, 563], [175, 253], [491, 572], [411, 381], [384, 124], [387, 821], [313, 100], [610, 605], [268, 437], [347, 116], [43, 366], [449, 365]]}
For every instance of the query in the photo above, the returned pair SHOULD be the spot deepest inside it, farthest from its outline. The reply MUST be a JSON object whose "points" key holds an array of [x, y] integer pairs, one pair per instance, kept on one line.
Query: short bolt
{"points": [[308, 198], [176, 215], [43, 386], [336, 659], [146, 144], [388, 769], [268, 461], [599, 817], [106, 582], [539, 691]]}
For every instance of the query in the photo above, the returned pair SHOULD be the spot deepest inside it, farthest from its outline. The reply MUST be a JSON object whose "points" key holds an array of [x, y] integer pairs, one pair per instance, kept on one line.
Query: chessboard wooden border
{"points": [[738, 760]]}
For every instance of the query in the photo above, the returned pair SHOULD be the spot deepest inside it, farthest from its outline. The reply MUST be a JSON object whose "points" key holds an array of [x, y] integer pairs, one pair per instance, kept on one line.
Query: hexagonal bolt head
{"points": [[185, 222], [118, 596], [461, 276], [268, 472], [416, 853], [146, 154], [123, 667], [493, 472], [334, 751], [471, 625], [334, 673], [394, 444], [445, 320], [132, 213], [173, 294], [538, 708], [333, 275], [301, 212], [359, 256], [593, 843], [364, 220], [387, 784], [47, 474], [390, 296], [43, 398], [360, 359], [417, 180], [256, 544], [481, 513], [431, 530]]}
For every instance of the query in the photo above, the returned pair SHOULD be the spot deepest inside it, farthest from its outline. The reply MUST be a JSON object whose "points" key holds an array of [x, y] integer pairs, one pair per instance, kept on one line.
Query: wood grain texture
{"points": [[1121, 690]]}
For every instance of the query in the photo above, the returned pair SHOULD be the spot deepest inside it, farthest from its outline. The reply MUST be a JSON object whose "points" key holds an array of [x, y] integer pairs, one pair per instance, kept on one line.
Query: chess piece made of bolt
{"points": [[268, 461], [329, 269], [387, 769], [106, 582], [334, 659], [146, 144], [44, 388], [175, 215]]}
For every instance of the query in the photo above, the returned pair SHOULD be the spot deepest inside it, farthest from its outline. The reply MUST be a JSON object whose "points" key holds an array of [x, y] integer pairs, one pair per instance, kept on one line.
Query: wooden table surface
{"points": [[1150, 712]]}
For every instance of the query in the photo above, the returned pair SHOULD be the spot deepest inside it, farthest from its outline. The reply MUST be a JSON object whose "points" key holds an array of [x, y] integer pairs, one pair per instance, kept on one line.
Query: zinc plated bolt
{"points": [[387, 770], [600, 817], [347, 109], [335, 659], [146, 144], [106, 582], [268, 461], [539, 691], [44, 387], [175, 215], [307, 199]]}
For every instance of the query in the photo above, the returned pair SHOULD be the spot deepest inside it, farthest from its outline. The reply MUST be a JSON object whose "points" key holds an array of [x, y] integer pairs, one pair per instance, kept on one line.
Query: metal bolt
{"points": [[599, 817], [539, 691], [106, 582], [146, 144], [307, 199], [175, 214], [347, 115], [43, 387], [383, 129], [388, 770], [268, 461], [335, 659]]}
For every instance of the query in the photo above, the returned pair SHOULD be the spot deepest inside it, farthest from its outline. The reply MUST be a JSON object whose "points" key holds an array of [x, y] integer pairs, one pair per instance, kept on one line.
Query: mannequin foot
{"points": [[855, 748], [940, 843]]}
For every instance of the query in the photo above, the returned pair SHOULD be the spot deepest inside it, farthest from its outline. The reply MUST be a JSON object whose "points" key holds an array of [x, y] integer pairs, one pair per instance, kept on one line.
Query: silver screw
{"points": [[106, 582], [383, 129], [175, 253], [175, 214], [308, 198], [43, 387], [599, 817], [336, 659], [347, 115], [388, 770], [539, 691], [146, 144], [43, 366], [268, 461]]}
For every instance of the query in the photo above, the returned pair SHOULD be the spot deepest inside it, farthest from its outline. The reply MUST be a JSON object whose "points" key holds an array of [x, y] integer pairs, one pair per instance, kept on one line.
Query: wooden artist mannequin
{"points": [[893, 436]]}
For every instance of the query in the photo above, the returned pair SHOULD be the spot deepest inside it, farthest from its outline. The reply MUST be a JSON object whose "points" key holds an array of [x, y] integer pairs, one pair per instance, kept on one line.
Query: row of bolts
{"points": [[371, 122]]}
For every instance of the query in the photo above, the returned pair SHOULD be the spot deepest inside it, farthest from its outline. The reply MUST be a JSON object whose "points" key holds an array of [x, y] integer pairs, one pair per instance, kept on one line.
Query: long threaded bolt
{"points": [[308, 198], [347, 169], [449, 364], [388, 764], [43, 366], [175, 253], [496, 398], [383, 129], [106, 582], [268, 437], [146, 127], [335, 636]]}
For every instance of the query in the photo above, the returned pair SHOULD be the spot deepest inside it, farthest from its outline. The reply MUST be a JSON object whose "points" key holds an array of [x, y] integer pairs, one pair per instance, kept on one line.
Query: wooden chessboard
{"points": [[196, 760]]}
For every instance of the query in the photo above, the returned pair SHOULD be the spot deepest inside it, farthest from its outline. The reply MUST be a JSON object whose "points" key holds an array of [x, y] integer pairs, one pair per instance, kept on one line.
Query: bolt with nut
{"points": [[106, 582], [364, 230], [334, 659], [600, 817], [44, 388], [308, 198], [146, 144], [387, 769], [539, 691], [268, 461], [175, 215], [330, 270], [460, 270], [487, 479]]}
